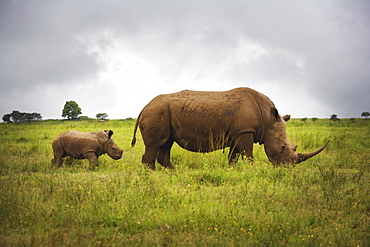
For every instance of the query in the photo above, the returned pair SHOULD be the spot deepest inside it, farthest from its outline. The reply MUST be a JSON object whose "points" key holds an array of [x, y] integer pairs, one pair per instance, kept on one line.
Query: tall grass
{"points": [[323, 201]]}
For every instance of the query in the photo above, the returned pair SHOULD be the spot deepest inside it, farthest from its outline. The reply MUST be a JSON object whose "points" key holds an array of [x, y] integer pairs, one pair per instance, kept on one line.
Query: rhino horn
{"points": [[303, 157]]}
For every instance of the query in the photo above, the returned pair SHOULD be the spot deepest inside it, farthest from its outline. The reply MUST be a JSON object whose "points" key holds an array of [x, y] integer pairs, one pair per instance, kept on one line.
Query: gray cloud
{"points": [[315, 53], [39, 51]]}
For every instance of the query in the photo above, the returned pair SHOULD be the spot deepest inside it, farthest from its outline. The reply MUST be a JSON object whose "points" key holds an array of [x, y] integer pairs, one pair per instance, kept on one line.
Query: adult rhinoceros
{"points": [[81, 145], [207, 121]]}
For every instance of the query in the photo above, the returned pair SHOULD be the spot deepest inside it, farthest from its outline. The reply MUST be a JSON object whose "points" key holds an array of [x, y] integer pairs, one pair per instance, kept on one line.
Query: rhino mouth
{"points": [[117, 157]]}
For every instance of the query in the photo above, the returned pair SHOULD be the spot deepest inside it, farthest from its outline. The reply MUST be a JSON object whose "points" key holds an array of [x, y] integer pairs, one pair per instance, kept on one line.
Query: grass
{"points": [[324, 201]]}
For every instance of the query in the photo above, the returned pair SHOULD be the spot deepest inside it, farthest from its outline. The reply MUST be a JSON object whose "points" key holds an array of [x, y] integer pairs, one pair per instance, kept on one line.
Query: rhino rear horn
{"points": [[303, 157]]}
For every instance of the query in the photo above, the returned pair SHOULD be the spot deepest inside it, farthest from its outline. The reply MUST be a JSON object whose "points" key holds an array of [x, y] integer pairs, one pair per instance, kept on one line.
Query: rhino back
{"points": [[76, 143], [234, 110]]}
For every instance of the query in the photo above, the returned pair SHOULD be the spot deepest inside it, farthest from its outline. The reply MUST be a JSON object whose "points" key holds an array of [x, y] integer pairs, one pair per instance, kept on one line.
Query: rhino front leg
{"points": [[93, 160], [243, 147], [57, 161], [233, 155]]}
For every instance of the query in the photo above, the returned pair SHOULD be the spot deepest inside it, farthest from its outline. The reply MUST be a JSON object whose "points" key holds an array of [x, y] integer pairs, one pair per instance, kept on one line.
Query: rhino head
{"points": [[109, 146], [277, 147]]}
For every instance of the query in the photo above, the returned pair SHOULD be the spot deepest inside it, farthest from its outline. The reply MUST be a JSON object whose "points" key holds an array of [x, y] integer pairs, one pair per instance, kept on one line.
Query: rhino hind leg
{"points": [[242, 147], [149, 156], [163, 156], [59, 153]]}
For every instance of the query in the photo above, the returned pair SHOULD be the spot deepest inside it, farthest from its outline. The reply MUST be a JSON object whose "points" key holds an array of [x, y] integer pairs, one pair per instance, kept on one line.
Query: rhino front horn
{"points": [[303, 157]]}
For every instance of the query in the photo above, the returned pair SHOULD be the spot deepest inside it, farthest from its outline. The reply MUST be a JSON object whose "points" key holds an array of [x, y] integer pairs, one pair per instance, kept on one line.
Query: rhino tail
{"points": [[134, 137]]}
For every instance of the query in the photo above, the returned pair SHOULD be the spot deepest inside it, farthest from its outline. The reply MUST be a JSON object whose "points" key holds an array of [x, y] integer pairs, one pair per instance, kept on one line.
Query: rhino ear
{"points": [[286, 118], [274, 113], [109, 133], [103, 136]]}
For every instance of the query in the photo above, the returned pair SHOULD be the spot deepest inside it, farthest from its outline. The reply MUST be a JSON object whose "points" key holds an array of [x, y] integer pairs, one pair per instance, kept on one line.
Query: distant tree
{"points": [[334, 117], [27, 117], [17, 117], [365, 114], [101, 116], [83, 118], [314, 119], [7, 118], [304, 119], [71, 110], [36, 116]]}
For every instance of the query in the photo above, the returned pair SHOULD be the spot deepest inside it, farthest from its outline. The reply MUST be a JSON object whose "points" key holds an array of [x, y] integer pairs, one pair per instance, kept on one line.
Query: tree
{"points": [[17, 117], [83, 118], [365, 114], [6, 118], [101, 116], [334, 117], [71, 110], [37, 116]]}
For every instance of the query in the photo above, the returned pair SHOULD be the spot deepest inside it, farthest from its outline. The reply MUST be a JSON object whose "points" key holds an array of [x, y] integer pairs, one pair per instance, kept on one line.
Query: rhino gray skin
{"points": [[207, 121], [81, 145]]}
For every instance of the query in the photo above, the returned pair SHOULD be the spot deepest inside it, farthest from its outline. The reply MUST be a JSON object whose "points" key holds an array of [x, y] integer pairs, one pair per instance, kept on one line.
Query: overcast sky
{"points": [[311, 58]]}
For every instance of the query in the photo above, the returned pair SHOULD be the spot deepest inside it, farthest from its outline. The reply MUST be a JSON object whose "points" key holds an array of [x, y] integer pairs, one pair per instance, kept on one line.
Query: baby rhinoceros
{"points": [[81, 145]]}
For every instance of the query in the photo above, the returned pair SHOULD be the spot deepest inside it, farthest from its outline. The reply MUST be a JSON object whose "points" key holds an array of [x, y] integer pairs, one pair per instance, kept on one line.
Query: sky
{"points": [[311, 58]]}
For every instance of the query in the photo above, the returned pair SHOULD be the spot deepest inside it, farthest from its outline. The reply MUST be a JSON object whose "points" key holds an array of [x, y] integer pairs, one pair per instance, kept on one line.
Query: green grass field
{"points": [[324, 201]]}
